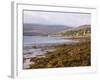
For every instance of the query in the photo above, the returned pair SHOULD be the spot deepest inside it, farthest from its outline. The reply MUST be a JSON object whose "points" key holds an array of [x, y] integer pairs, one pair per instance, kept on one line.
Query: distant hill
{"points": [[39, 29], [83, 30], [34, 34]]}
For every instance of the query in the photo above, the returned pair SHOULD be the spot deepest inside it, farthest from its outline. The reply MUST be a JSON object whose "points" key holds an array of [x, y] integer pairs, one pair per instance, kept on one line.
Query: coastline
{"points": [[64, 56]]}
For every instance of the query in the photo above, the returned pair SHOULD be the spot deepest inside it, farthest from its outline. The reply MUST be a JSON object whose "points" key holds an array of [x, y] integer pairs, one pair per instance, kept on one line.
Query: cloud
{"points": [[56, 18]]}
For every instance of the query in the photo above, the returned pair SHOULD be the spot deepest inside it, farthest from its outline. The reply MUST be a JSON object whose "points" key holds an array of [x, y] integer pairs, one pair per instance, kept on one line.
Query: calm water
{"points": [[40, 42], [30, 40]]}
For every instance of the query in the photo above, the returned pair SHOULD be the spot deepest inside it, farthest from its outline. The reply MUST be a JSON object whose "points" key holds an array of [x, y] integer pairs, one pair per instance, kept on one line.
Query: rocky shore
{"points": [[72, 55]]}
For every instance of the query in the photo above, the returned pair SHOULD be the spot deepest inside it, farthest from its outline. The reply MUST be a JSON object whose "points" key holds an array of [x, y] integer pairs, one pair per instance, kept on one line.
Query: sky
{"points": [[56, 18]]}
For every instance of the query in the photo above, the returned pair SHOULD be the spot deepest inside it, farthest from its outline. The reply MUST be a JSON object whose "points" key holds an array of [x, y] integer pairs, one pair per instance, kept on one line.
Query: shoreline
{"points": [[57, 48], [67, 53]]}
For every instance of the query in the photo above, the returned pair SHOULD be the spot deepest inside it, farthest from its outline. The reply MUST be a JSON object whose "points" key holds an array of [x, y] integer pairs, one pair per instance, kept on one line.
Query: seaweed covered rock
{"points": [[65, 56]]}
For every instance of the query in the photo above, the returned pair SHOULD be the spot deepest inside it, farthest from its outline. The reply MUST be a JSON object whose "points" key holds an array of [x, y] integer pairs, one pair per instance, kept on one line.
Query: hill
{"points": [[40, 29], [81, 31]]}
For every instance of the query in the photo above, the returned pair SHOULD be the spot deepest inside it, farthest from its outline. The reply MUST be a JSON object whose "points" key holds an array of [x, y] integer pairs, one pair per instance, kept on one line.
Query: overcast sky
{"points": [[56, 18]]}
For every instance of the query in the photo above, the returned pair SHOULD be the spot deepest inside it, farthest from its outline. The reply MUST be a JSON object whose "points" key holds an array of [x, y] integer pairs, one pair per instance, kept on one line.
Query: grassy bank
{"points": [[65, 56]]}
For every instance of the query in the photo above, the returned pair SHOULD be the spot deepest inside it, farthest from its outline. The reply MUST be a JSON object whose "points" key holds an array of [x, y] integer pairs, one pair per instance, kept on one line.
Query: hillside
{"points": [[81, 31], [40, 29]]}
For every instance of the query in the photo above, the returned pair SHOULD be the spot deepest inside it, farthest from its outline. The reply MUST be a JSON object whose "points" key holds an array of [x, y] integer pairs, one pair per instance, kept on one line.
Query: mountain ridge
{"points": [[36, 29]]}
